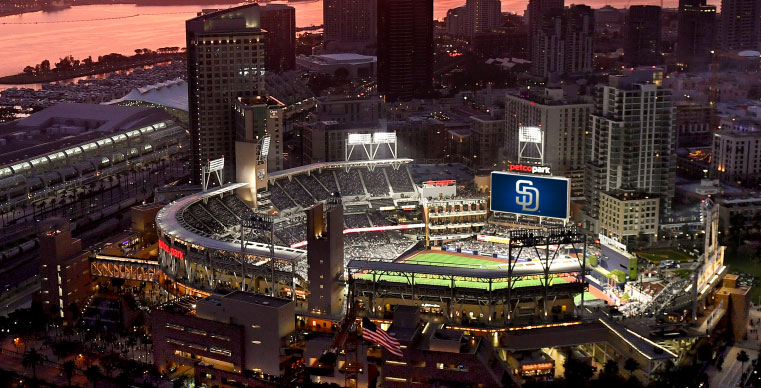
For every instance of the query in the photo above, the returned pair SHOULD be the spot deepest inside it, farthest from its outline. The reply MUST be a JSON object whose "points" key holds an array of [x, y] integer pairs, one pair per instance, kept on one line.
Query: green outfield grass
{"points": [[448, 260]]}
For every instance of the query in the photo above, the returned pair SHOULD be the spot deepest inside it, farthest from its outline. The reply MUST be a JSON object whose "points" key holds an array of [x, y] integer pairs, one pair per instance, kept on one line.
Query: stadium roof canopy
{"points": [[321, 165], [166, 221], [499, 272]]}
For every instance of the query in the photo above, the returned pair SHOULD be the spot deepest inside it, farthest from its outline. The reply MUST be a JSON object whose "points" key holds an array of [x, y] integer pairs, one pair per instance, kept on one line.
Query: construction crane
{"points": [[346, 341]]}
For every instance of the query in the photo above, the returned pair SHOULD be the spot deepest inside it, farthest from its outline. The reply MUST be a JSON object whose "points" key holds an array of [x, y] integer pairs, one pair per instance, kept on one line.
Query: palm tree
{"points": [[68, 369], [630, 365], [93, 374], [31, 359], [743, 358]]}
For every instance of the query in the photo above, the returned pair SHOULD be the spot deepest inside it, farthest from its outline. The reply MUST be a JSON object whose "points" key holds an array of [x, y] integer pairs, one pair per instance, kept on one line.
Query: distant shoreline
{"points": [[159, 3], [55, 76]]}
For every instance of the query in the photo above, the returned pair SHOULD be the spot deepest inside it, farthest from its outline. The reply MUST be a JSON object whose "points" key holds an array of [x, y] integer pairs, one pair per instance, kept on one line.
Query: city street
{"points": [[732, 371]]}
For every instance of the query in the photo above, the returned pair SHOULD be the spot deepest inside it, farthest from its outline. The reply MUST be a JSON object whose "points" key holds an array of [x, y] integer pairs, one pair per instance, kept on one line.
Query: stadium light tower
{"points": [[213, 167], [265, 223], [531, 145], [371, 144]]}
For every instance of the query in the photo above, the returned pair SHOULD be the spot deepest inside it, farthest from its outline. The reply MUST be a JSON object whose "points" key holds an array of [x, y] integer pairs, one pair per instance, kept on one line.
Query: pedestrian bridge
{"points": [[125, 268]]}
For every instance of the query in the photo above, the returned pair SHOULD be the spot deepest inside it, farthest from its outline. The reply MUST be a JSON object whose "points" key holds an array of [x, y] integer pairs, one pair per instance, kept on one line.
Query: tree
{"points": [[630, 365], [68, 368], [74, 310], [93, 374], [743, 357], [577, 372], [29, 70], [45, 66], [705, 351], [31, 359]]}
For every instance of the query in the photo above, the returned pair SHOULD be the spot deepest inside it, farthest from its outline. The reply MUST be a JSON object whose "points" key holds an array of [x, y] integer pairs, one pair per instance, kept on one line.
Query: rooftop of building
{"points": [[630, 195], [341, 58], [240, 18], [65, 125], [735, 134], [172, 94], [259, 100], [257, 299], [456, 171]]}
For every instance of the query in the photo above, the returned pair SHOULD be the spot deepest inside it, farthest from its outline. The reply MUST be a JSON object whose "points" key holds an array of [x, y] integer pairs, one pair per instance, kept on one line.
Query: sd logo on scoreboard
{"points": [[530, 195]]}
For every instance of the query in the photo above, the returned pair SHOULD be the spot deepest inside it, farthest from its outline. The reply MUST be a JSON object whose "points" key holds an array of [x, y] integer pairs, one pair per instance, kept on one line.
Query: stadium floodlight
{"points": [[216, 165], [530, 135], [265, 146], [384, 137], [360, 138]]}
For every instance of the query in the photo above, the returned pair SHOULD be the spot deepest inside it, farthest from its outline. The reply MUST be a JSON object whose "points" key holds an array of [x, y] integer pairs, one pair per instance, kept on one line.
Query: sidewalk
{"points": [[732, 371]]}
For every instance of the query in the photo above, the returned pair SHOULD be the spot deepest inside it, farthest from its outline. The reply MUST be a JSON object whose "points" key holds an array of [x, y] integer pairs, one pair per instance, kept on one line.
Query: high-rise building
{"points": [[740, 25], [349, 24], [642, 45], [535, 13], [563, 43], [482, 16], [631, 143], [65, 268], [579, 39], [225, 61], [405, 48], [564, 120], [279, 21], [455, 21], [697, 29], [736, 156]]}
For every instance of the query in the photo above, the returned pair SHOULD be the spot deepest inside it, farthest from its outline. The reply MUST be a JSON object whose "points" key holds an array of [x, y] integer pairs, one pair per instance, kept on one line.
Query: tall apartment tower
{"points": [[564, 43], [225, 61], [564, 120], [536, 11], [349, 23], [631, 142], [65, 268], [642, 46], [695, 37], [405, 48], [482, 16], [325, 258], [740, 25], [279, 21]]}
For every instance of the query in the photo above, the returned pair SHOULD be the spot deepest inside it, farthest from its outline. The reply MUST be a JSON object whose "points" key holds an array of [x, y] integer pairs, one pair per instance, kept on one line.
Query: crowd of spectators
{"points": [[350, 182], [387, 246], [292, 230], [299, 195], [378, 219], [279, 198], [356, 220], [400, 180], [222, 213], [235, 204], [328, 180], [375, 182], [205, 218], [314, 187]]}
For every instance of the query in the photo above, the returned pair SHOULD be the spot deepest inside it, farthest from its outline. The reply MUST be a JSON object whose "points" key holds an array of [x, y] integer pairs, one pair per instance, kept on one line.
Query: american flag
{"points": [[373, 333]]}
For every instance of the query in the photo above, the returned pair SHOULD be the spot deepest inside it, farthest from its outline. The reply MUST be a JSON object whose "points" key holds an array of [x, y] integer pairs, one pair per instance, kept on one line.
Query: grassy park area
{"points": [[737, 263], [658, 255]]}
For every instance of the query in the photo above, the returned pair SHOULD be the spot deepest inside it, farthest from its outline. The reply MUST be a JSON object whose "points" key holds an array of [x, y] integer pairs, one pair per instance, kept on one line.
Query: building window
{"points": [[221, 351]]}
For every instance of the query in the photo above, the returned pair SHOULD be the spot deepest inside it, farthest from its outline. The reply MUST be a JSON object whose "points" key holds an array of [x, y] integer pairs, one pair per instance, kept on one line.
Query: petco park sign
{"points": [[174, 252], [529, 168]]}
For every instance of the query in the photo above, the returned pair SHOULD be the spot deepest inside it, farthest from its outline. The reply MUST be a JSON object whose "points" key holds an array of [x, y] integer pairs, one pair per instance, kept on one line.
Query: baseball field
{"points": [[459, 260]]}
